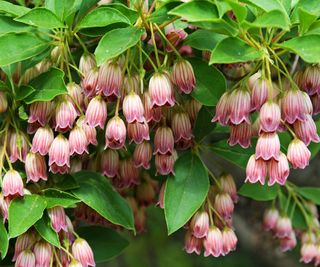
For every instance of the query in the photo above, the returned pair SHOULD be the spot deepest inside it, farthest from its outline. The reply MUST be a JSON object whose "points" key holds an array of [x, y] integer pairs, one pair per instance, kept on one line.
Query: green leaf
{"points": [[210, 83], [307, 47], [24, 91], [185, 191], [105, 242], [239, 10], [306, 19], [203, 125], [85, 6], [312, 7], [196, 11], [102, 17], [311, 193], [24, 212], [15, 10], [47, 86], [267, 5], [218, 26], [56, 197], [115, 42], [4, 240], [22, 46], [233, 50], [161, 14], [203, 39], [65, 182], [64, 8], [131, 14], [42, 18], [44, 228], [8, 25], [96, 192], [22, 113], [259, 192]]}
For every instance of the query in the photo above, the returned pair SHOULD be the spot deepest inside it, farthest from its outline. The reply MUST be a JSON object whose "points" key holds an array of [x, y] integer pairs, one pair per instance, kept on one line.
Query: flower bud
{"points": [[145, 193], [268, 146], [75, 92], [174, 36], [110, 163], [200, 224], [192, 244], [270, 218], [260, 91], [181, 127], [308, 252], [12, 184], [310, 80], [82, 252], [278, 170], [3, 102], [142, 155], [150, 113], [26, 259], [223, 204], [213, 243], [138, 132], [132, 83], [240, 134], [23, 242], [229, 240], [58, 219], [288, 243], [132, 108], [256, 170], [163, 141], [43, 254], [193, 107], [165, 163], [283, 227], [223, 109], [239, 106], [96, 113], [140, 219], [89, 131], [87, 63], [42, 141], [270, 117], [18, 146], [89, 83], [183, 76], [253, 78], [65, 115], [298, 154], [59, 155], [115, 133], [161, 91], [228, 186], [128, 174], [110, 79], [316, 104], [40, 112], [4, 207], [306, 130], [35, 167], [78, 141]]}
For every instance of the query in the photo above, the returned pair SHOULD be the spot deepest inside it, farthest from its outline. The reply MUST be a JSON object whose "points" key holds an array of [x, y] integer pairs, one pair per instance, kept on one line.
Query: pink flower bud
{"points": [[3, 102], [58, 219], [40, 112], [165, 163], [115, 133], [278, 170], [228, 186], [310, 80], [42, 141], [128, 174], [223, 109], [283, 227], [132, 83], [161, 91], [23, 242], [253, 78], [268, 146], [288, 243], [145, 193], [317, 259], [78, 141], [18, 146], [240, 134], [110, 163], [270, 117], [175, 36], [239, 106], [213, 243], [163, 141], [87, 62], [150, 113], [132, 108], [270, 218], [181, 127], [43, 254], [306, 130], [200, 224], [59, 153], [82, 252], [256, 170], [89, 83], [138, 132], [142, 155], [4, 206], [183, 76], [26, 259], [35, 167], [223, 204], [192, 244], [65, 115], [308, 252], [76, 95], [96, 113], [298, 154], [193, 107], [229, 240], [316, 104], [295, 105], [110, 79], [90, 131], [12, 184], [260, 91]]}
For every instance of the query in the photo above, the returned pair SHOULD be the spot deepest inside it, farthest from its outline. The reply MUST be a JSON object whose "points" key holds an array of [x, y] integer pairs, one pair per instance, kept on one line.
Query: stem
{"points": [[155, 46], [81, 43], [150, 60], [117, 107]]}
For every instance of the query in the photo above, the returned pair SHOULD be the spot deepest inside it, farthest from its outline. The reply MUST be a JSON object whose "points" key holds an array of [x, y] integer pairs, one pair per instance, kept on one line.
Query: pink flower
{"points": [[96, 113], [87, 62], [270, 219], [90, 131], [161, 91], [163, 141], [298, 154], [23, 242], [110, 163], [82, 252], [193, 107], [183, 76], [316, 104], [181, 127], [142, 155], [42, 140], [3, 102], [310, 80], [128, 173], [115, 133], [239, 106], [256, 170], [132, 83], [18, 146], [165, 163], [283, 227], [175, 36], [253, 78], [132, 108], [270, 117], [36, 167], [12, 184], [138, 132], [40, 112], [229, 240], [260, 91], [4, 206], [213, 243], [65, 115], [110, 79], [288, 243], [200, 224], [58, 219], [25, 259], [306, 130], [278, 170], [268, 146], [43, 254], [308, 252], [150, 113], [223, 109], [59, 154], [78, 141], [76, 95], [192, 244], [223, 204], [228, 186], [240, 134], [89, 83]]}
